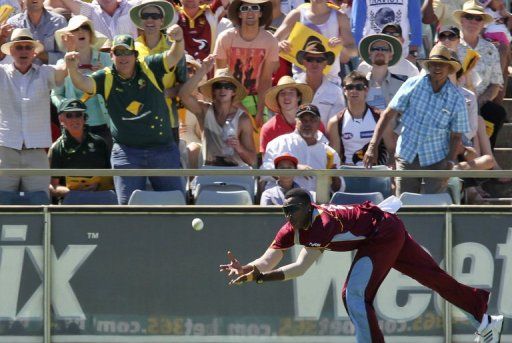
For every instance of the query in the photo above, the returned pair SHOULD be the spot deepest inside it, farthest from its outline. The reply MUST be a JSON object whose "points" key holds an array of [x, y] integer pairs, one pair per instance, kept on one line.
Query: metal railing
{"points": [[323, 175]]}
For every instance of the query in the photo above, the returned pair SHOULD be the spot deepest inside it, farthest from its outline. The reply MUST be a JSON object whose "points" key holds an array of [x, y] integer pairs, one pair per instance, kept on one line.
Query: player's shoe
{"points": [[492, 332]]}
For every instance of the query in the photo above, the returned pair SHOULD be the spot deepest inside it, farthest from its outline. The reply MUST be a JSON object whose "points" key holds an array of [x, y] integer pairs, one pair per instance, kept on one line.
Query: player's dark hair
{"points": [[298, 193]]}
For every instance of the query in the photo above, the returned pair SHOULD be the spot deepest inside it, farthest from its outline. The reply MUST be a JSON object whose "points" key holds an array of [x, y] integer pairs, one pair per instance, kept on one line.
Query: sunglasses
{"points": [[356, 86], [449, 36], [84, 27], [154, 16], [224, 85], [74, 115], [315, 59], [380, 49], [477, 18], [249, 8], [24, 47], [393, 34], [290, 209], [123, 52]]}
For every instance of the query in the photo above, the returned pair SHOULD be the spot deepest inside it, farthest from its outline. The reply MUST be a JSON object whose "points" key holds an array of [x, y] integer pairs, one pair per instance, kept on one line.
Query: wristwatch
{"points": [[413, 53]]}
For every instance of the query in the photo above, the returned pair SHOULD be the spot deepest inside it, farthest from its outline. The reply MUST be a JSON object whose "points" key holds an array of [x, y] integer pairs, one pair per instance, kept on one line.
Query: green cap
{"points": [[72, 105], [125, 41]]}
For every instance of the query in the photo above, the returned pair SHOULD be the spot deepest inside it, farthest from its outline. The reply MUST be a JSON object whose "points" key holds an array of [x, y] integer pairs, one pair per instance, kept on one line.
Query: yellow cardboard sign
{"points": [[80, 182], [5, 13], [298, 38]]}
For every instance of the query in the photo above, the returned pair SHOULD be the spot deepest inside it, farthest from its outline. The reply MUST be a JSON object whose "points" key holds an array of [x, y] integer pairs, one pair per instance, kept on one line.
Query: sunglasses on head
{"points": [[356, 86], [250, 8], [477, 17], [154, 16], [224, 85], [289, 209], [123, 52], [71, 115], [449, 36], [84, 27], [315, 59], [24, 47], [380, 49]]}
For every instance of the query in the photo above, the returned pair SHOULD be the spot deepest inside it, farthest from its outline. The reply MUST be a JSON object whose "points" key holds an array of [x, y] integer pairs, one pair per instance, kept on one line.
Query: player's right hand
{"points": [[233, 268]]}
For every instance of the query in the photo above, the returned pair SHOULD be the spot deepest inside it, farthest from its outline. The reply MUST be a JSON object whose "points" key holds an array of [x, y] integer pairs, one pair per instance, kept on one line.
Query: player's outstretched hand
{"points": [[234, 267], [249, 277]]}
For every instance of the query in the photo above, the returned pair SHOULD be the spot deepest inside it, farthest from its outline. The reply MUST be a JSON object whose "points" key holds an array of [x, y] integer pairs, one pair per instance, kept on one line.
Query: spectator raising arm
{"points": [[175, 53], [80, 81]]}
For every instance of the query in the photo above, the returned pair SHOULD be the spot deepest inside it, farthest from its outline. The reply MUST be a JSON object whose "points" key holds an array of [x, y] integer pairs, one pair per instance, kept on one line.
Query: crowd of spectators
{"points": [[157, 84]]}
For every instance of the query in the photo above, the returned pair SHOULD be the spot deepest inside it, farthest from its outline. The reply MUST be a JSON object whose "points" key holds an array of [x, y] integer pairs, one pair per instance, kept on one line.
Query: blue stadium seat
{"points": [[344, 198], [413, 199], [247, 182], [139, 197], [90, 198], [368, 184], [222, 194], [24, 198]]}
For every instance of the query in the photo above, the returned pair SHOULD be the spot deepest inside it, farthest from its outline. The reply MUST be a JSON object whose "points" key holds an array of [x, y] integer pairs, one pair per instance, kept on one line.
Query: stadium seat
{"points": [[139, 197], [24, 198], [222, 194], [413, 199], [247, 182], [368, 184], [90, 198], [344, 198]]}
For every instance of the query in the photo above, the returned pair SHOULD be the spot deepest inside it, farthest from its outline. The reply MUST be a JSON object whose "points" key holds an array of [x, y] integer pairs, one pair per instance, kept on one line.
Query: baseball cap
{"points": [[126, 41], [72, 105], [392, 26], [449, 28], [309, 108], [286, 156]]}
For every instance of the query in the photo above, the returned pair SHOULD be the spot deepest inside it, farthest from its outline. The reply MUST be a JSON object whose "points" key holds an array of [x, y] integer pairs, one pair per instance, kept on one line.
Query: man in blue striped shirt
{"points": [[433, 116]]}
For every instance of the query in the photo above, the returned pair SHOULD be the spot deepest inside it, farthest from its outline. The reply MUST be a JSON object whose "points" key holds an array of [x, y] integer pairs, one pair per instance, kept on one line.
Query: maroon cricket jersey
{"points": [[333, 227]]}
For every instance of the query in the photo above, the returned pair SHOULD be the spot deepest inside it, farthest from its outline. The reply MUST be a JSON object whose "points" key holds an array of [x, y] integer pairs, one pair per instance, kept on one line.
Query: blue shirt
{"points": [[428, 119], [43, 32]]}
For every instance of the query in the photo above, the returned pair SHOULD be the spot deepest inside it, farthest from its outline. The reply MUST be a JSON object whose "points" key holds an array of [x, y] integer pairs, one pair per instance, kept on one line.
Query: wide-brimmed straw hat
{"points": [[266, 11], [223, 75], [366, 43], [21, 35], [472, 7], [97, 38], [314, 46], [284, 82], [440, 54], [164, 6]]}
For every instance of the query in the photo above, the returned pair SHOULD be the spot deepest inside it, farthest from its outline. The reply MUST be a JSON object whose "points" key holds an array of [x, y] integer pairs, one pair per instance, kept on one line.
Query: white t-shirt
{"points": [[355, 134]]}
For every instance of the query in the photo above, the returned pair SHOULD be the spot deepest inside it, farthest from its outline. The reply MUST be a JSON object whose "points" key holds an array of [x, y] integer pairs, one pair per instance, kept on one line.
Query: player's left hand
{"points": [[234, 267], [249, 277]]}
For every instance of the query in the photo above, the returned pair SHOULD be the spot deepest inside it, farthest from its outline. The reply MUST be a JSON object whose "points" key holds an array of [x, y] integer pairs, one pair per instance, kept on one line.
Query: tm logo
{"points": [[64, 301]]}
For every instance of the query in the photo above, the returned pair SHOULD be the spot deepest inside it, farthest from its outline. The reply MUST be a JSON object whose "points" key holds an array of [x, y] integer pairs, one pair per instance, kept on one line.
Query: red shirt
{"points": [[275, 127], [351, 224], [197, 32]]}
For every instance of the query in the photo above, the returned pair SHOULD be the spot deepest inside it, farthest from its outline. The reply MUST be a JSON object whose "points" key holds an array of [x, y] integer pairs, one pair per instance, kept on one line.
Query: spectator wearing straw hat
{"points": [[153, 16], [472, 19], [381, 52], [79, 35], [42, 24], [25, 111], [219, 116], [250, 52], [283, 99], [434, 117], [139, 115], [328, 96]]}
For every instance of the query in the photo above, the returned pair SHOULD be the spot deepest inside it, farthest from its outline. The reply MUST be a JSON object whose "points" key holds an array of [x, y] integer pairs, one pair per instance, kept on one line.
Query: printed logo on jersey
{"points": [[366, 134], [348, 135]]}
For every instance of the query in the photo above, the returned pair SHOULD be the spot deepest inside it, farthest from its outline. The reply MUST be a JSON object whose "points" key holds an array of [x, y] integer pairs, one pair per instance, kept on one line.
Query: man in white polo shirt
{"points": [[25, 111]]}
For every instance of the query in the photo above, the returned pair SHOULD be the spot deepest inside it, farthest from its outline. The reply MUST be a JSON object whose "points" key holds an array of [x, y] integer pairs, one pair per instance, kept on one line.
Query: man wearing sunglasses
{"points": [[382, 242], [134, 96], [381, 51], [403, 66], [77, 148], [327, 96], [25, 111], [250, 52], [472, 19]]}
